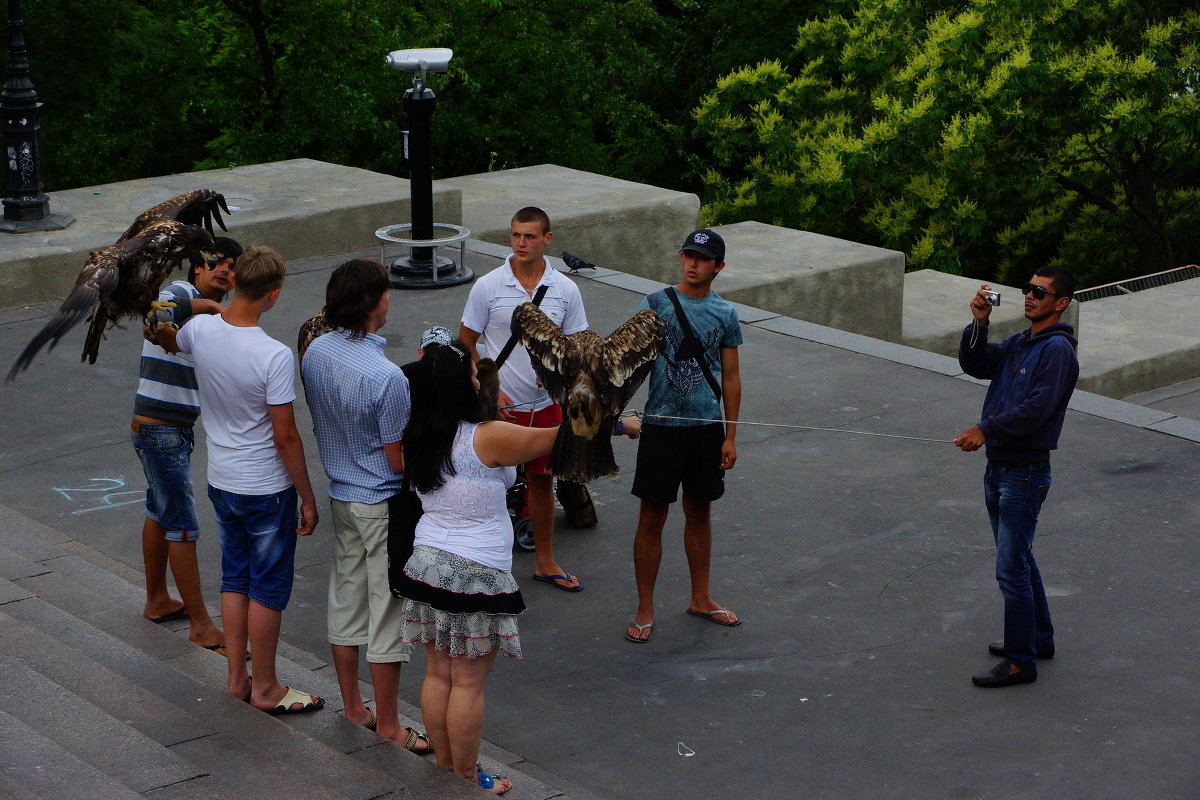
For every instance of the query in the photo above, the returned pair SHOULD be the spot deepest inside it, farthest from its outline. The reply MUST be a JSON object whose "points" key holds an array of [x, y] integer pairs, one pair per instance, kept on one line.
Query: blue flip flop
{"points": [[553, 580], [487, 781]]}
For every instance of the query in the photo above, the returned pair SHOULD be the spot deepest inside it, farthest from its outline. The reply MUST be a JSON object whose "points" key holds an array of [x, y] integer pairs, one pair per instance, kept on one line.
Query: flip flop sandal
{"points": [[306, 701], [711, 617], [640, 628], [488, 781], [414, 738]]}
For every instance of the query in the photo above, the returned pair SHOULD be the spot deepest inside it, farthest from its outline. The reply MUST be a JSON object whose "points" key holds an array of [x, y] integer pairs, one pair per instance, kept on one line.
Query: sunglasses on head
{"points": [[1038, 292]]}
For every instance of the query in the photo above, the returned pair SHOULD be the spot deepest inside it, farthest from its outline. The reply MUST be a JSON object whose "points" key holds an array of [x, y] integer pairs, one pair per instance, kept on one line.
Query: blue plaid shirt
{"points": [[359, 401]]}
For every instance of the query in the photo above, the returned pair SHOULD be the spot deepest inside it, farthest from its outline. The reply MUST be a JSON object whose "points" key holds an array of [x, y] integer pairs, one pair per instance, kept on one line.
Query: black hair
{"points": [[354, 290], [226, 247], [443, 395], [1061, 277]]}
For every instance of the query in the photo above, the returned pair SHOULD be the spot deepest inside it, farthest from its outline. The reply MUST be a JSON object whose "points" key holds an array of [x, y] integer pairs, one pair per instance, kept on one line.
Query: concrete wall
{"points": [[299, 207], [832, 282], [1140, 341], [613, 223]]}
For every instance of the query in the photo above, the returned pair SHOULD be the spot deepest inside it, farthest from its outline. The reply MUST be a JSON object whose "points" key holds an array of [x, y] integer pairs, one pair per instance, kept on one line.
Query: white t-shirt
{"points": [[489, 311], [240, 371]]}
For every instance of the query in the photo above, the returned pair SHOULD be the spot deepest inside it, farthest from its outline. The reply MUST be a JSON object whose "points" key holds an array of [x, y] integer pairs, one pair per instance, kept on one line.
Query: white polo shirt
{"points": [[489, 312]]}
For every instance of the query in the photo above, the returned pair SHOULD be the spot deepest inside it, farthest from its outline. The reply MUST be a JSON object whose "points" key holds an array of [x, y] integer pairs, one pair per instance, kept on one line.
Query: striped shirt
{"points": [[167, 381], [359, 402]]}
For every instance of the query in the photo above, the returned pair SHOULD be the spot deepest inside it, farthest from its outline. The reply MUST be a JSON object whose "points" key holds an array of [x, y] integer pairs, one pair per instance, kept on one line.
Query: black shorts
{"points": [[670, 455]]}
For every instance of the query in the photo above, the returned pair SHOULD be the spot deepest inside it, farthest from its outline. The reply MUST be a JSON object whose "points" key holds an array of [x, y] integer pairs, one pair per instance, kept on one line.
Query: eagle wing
{"points": [[119, 281], [554, 356], [197, 207], [98, 276], [314, 327], [627, 354]]}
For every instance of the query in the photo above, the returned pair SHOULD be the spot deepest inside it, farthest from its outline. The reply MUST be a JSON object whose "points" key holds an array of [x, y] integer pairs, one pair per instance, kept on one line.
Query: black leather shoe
{"points": [[997, 649], [1006, 673]]}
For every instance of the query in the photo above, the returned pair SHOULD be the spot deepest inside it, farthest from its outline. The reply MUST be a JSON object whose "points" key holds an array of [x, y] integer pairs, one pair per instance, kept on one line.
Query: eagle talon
{"points": [[160, 305]]}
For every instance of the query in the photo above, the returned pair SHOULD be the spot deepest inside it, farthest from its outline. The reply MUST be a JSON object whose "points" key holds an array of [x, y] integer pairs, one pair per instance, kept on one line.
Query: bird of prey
{"points": [[592, 378], [315, 326], [122, 280], [197, 207]]}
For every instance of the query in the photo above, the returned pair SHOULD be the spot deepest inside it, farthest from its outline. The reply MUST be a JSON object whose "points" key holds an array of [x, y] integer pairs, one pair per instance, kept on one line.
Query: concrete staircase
{"points": [[96, 701]]}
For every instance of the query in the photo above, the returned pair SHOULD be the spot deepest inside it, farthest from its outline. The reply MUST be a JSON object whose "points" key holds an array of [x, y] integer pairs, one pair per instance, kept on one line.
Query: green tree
{"points": [[985, 139]]}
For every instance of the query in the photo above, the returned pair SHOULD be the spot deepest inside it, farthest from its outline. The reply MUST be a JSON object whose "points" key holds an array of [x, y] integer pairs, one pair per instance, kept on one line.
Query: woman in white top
{"points": [[460, 598]]}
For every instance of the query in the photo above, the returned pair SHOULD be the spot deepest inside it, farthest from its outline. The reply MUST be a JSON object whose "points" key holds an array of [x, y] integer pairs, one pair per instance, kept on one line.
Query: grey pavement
{"points": [[861, 565]]}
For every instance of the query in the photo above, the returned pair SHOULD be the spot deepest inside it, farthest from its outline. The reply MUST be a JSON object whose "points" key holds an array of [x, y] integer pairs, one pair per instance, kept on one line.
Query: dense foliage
{"points": [[986, 139], [983, 137]]}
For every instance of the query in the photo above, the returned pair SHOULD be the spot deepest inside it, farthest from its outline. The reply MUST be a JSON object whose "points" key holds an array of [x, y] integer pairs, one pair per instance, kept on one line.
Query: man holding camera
{"points": [[1033, 374]]}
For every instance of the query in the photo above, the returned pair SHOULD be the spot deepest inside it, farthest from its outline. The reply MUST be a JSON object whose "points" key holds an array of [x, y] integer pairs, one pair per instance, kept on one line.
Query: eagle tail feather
{"points": [[581, 460]]}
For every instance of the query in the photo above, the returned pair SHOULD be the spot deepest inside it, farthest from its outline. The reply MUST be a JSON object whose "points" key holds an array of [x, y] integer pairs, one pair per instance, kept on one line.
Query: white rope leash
{"points": [[641, 415]]}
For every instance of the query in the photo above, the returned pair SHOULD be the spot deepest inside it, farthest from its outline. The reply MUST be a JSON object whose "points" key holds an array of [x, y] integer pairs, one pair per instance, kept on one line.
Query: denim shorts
{"points": [[258, 544], [166, 455]]}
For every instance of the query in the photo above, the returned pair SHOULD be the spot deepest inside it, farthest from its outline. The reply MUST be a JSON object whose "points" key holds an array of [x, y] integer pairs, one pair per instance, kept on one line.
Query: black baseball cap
{"points": [[706, 242]]}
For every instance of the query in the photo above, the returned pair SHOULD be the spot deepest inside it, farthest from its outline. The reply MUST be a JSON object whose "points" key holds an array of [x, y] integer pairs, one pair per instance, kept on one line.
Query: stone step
{"points": [[44, 770], [60, 660], [313, 744], [93, 736]]}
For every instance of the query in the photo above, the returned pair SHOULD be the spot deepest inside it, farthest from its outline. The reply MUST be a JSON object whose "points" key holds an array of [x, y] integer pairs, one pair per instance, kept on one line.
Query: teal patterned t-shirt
{"points": [[677, 384]]}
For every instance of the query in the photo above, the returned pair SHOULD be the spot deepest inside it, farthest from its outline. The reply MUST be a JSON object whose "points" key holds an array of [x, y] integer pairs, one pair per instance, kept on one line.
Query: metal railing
{"points": [[1132, 285]]}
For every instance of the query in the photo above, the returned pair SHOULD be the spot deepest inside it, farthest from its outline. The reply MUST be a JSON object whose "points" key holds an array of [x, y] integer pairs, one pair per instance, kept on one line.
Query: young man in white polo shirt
{"points": [[487, 317]]}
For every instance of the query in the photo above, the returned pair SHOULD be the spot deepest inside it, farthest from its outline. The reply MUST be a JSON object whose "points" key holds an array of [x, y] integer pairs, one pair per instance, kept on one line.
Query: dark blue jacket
{"points": [[1032, 380]]}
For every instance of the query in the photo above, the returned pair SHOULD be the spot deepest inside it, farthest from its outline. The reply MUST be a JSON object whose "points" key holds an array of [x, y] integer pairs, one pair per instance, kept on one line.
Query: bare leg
{"points": [[541, 515], [263, 625], [435, 699], [647, 556], [464, 714], [202, 630], [234, 611], [159, 602], [345, 665], [385, 675], [697, 544]]}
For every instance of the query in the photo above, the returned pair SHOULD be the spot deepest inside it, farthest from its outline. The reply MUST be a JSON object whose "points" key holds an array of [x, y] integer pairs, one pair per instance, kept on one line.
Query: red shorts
{"points": [[548, 417]]}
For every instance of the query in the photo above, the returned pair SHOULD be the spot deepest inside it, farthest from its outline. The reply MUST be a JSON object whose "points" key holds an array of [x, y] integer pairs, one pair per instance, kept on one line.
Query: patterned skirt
{"points": [[462, 607]]}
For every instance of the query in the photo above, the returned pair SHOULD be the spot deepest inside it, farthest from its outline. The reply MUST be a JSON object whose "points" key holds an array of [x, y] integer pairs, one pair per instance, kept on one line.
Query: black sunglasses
{"points": [[212, 262], [1038, 292]]}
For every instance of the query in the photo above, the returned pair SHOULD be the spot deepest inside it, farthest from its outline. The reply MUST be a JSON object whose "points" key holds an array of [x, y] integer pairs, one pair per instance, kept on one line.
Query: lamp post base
{"points": [[50, 222]]}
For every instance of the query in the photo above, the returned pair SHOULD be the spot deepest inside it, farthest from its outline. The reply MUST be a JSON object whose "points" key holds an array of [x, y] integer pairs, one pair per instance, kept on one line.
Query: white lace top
{"points": [[468, 516]]}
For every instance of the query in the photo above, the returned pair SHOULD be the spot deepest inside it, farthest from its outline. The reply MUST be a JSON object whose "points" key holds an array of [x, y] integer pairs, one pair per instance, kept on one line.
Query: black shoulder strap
{"points": [[691, 337], [506, 351]]}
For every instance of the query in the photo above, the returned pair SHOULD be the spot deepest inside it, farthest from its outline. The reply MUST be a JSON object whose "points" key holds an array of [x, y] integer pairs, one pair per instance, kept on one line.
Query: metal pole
{"points": [[419, 105], [26, 206]]}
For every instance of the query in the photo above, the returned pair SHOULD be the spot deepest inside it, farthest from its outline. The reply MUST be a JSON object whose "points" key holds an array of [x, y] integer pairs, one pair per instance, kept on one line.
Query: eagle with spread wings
{"points": [[124, 279], [592, 378]]}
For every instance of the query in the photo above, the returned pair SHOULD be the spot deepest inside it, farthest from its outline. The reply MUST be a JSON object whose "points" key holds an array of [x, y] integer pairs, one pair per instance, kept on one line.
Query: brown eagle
{"points": [[122, 280], [592, 378], [312, 328], [197, 207]]}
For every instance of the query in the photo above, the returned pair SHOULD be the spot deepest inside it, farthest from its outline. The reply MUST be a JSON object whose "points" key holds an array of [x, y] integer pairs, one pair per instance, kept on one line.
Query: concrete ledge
{"points": [[613, 223], [1140, 341], [832, 282], [935, 311], [300, 208]]}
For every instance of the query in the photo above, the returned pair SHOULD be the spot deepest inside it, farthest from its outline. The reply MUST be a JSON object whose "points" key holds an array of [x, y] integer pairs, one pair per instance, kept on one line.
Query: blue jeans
{"points": [[1014, 496], [166, 455], [258, 544]]}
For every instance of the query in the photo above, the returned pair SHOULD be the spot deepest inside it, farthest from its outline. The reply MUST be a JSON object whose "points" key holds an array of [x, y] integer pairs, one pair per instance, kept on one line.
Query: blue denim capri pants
{"points": [[258, 544]]}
